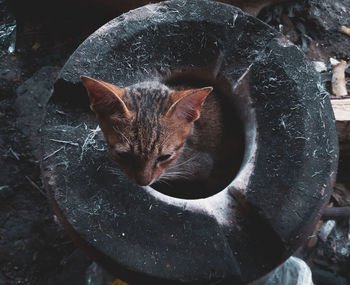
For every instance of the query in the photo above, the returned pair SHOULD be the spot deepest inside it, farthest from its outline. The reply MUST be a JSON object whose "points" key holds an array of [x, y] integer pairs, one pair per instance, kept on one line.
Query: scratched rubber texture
{"points": [[138, 236]]}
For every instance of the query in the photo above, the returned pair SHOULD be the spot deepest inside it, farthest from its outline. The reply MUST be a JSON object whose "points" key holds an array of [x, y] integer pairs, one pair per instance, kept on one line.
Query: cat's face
{"points": [[145, 125]]}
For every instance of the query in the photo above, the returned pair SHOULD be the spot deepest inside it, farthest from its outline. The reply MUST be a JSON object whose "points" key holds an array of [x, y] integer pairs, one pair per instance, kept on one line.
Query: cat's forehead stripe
{"points": [[156, 138], [149, 100]]}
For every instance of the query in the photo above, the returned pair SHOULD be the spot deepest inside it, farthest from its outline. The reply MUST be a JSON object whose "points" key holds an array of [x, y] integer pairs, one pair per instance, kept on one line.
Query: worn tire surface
{"points": [[249, 227]]}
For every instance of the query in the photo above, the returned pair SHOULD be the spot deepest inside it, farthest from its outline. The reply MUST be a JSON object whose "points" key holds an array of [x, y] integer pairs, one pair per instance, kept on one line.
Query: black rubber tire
{"points": [[248, 228]]}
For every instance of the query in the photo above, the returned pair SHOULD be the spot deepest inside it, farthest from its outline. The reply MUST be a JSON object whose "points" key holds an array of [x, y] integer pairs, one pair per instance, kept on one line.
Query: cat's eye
{"points": [[123, 155], [163, 157]]}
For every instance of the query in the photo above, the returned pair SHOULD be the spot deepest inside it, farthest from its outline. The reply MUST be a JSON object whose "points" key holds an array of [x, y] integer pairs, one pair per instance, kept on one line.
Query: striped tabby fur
{"points": [[160, 134]]}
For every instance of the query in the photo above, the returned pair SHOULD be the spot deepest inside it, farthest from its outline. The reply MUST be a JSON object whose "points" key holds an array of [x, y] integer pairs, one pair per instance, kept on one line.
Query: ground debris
{"points": [[338, 79], [326, 229], [345, 30], [90, 141], [6, 191], [341, 194]]}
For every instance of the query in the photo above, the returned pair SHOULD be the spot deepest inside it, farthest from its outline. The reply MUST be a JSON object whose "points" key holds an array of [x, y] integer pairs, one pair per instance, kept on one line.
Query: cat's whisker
{"points": [[184, 172], [164, 182], [114, 171], [176, 175], [121, 133], [184, 162]]}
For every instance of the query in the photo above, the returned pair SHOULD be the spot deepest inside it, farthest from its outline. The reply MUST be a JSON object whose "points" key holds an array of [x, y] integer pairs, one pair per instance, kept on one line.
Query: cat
{"points": [[157, 133]]}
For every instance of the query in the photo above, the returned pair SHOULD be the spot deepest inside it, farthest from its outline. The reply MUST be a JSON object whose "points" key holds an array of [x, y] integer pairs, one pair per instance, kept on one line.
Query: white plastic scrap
{"points": [[293, 271], [333, 61], [326, 229], [320, 66]]}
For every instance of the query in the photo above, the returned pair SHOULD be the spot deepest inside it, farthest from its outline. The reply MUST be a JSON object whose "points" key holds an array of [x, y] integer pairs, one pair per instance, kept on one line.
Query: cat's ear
{"points": [[106, 99], [188, 103]]}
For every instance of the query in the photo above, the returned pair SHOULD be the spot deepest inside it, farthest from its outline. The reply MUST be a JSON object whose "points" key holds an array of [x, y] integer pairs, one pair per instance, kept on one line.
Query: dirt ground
{"points": [[33, 247]]}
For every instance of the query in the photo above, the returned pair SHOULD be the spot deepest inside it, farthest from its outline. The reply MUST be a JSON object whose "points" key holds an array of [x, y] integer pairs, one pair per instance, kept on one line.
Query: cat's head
{"points": [[145, 124]]}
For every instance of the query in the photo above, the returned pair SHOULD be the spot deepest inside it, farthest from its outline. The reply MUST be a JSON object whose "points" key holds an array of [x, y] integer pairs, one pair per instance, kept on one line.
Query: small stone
{"points": [[6, 191], [319, 66], [5, 71], [11, 49], [326, 229], [344, 251], [36, 46], [21, 89]]}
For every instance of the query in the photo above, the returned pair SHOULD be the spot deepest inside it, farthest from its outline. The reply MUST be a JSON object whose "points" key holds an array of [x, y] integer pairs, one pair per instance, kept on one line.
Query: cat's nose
{"points": [[144, 175], [143, 180]]}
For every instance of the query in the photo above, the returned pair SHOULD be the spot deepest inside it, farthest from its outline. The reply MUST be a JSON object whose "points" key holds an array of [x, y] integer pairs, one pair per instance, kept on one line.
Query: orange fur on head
{"points": [[145, 125], [189, 103], [105, 98]]}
